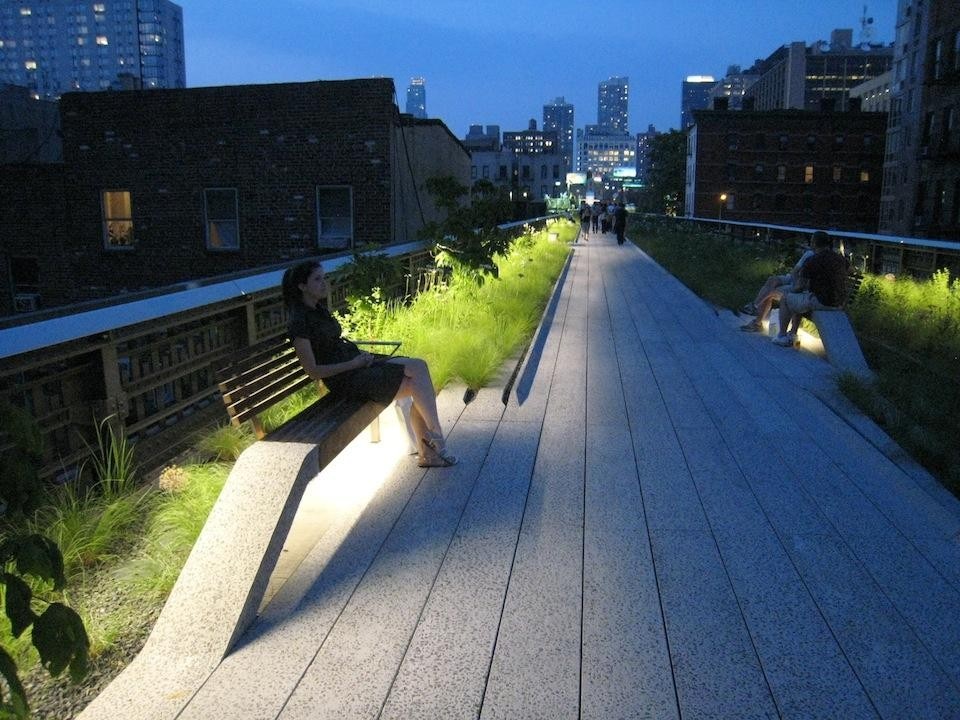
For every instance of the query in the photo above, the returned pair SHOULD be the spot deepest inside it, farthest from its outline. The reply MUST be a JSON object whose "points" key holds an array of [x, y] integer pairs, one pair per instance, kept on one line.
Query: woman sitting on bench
{"points": [[346, 370]]}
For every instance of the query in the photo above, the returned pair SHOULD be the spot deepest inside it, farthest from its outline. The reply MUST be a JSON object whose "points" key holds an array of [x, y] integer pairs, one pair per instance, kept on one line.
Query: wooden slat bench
{"points": [[259, 377]]}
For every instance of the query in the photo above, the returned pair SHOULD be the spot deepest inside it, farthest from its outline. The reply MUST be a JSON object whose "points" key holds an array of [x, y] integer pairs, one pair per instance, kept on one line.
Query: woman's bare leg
{"points": [[418, 385]]}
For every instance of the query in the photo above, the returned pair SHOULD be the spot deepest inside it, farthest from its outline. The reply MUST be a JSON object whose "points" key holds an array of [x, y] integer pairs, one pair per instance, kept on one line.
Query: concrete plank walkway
{"points": [[668, 519]]}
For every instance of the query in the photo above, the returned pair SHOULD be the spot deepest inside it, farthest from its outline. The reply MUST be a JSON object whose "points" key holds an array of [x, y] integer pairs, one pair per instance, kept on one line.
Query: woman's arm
{"points": [[306, 357]]}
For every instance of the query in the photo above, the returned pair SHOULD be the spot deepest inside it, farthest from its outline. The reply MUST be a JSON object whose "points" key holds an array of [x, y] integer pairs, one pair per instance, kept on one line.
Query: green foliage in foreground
{"points": [[909, 330], [58, 634]]}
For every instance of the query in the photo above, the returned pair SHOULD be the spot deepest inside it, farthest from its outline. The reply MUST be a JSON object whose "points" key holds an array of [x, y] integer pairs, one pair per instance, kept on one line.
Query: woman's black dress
{"points": [[378, 383]]}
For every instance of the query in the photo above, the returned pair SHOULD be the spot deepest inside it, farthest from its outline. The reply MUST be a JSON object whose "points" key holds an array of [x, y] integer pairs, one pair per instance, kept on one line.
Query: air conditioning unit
{"points": [[26, 302]]}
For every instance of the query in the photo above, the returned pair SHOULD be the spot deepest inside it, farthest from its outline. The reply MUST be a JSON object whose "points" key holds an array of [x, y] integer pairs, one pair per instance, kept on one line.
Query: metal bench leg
{"points": [[375, 430]]}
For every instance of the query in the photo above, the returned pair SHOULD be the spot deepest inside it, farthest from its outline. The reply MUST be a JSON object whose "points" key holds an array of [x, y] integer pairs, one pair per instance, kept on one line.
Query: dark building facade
{"points": [[169, 186], [558, 118], [786, 167], [921, 184]]}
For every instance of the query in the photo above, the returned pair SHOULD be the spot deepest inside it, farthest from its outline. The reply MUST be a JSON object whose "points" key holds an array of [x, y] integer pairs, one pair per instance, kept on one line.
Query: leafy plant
{"points": [[469, 237], [58, 633], [226, 442], [21, 454]]}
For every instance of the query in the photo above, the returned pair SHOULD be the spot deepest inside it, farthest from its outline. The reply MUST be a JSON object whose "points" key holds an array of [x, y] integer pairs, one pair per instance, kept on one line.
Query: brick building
{"points": [[166, 186], [786, 167]]}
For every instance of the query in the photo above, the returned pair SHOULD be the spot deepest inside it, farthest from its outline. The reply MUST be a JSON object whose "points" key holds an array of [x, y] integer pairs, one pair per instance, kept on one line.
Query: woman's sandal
{"points": [[437, 455]]}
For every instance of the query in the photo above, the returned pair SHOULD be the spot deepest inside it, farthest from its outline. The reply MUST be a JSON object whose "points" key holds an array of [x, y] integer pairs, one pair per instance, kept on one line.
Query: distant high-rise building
{"points": [[531, 141], [644, 145], [731, 88], [695, 95], [612, 97], [479, 140], [60, 46], [558, 118], [417, 98]]}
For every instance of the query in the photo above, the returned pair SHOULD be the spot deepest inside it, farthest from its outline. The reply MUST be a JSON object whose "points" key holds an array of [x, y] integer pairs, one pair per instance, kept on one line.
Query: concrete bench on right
{"points": [[836, 333]]}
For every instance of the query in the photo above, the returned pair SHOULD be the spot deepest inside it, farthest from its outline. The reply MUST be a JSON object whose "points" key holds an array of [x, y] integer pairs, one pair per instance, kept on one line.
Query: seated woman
{"points": [[346, 370], [772, 291]]}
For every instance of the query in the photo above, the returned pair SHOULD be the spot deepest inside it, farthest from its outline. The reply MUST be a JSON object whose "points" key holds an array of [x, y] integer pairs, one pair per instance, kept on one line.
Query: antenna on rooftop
{"points": [[866, 28]]}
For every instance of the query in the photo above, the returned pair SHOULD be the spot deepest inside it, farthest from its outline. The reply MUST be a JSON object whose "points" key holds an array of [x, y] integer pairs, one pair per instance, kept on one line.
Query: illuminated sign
{"points": [[576, 178], [625, 172]]}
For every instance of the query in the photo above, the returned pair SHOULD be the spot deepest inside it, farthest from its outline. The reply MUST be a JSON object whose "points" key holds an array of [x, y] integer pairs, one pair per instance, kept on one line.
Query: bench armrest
{"points": [[395, 344]]}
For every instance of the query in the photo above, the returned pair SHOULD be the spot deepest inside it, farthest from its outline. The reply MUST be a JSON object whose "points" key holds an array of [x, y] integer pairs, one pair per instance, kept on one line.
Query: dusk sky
{"points": [[499, 62]]}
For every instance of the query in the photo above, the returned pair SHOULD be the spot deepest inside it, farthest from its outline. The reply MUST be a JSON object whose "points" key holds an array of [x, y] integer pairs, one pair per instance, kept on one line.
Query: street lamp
{"points": [[723, 199]]}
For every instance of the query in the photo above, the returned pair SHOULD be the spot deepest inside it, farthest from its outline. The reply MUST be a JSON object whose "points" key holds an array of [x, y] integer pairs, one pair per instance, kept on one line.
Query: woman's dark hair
{"points": [[293, 278]]}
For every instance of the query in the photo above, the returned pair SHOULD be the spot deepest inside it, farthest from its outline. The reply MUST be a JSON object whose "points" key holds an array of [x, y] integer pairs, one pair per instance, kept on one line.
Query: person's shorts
{"points": [[784, 279], [802, 302]]}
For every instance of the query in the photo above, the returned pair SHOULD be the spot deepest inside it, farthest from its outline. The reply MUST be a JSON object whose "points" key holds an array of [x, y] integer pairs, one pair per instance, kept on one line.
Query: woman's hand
{"points": [[363, 360]]}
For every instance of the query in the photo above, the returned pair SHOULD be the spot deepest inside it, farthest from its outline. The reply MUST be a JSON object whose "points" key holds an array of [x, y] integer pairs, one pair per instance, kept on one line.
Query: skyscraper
{"points": [[695, 96], [60, 46], [558, 117], [612, 104], [417, 98]]}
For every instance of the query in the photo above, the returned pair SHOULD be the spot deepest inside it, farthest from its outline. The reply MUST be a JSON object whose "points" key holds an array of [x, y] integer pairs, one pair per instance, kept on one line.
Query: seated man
{"points": [[772, 290], [825, 277]]}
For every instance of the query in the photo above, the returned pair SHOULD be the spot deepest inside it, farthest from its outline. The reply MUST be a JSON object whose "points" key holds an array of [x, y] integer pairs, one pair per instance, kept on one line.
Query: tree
{"points": [[468, 238], [58, 633], [667, 178]]}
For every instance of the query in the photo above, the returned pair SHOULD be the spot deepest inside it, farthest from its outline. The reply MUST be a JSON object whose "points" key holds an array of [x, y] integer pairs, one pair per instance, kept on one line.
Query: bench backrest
{"points": [[258, 377]]}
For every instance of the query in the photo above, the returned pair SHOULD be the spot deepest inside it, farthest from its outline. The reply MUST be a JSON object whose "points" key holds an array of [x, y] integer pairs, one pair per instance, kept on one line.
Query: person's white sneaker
{"points": [[788, 340]]}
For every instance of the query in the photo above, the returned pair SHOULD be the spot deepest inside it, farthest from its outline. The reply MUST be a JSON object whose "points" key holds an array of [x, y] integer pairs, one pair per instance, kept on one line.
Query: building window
{"points": [[779, 202], [30, 65], [868, 140], [838, 141], [486, 171], [956, 51], [731, 172], [927, 129], [733, 141], [808, 174], [117, 213], [543, 172], [948, 121], [837, 173], [102, 40], [525, 172], [503, 172], [938, 60], [473, 172], [864, 176], [781, 173], [784, 141], [758, 170], [556, 172], [222, 218], [811, 141], [335, 217]]}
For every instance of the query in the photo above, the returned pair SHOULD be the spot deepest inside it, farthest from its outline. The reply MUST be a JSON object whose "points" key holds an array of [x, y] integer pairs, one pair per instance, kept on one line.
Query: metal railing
{"points": [[920, 257]]}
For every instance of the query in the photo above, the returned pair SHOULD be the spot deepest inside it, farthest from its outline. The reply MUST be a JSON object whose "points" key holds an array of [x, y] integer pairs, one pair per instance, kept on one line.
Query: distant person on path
{"points": [[824, 277], [595, 216], [620, 222], [346, 370], [773, 290], [585, 216]]}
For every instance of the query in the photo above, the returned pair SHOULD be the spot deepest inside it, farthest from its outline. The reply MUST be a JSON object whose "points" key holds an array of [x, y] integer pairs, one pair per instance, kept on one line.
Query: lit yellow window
{"points": [[808, 174], [117, 219], [102, 40], [864, 176], [30, 64], [99, 7]]}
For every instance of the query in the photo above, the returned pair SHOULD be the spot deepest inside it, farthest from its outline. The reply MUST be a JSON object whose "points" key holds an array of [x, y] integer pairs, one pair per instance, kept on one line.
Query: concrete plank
{"points": [[716, 668], [354, 667], [536, 663], [443, 673], [626, 669], [898, 673]]}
